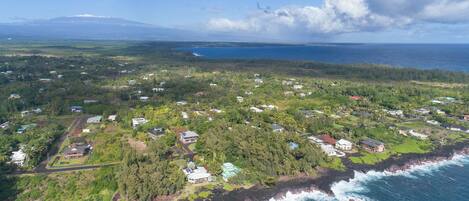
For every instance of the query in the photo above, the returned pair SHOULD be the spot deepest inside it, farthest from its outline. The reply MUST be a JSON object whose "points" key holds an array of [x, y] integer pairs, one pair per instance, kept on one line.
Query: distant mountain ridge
{"points": [[90, 27], [93, 27]]}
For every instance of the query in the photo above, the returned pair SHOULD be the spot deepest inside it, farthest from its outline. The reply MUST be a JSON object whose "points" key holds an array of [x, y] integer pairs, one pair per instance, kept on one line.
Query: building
{"points": [[188, 137], [328, 149], [181, 103], [344, 145], [315, 140], [240, 99], [277, 128], [18, 157], [197, 175], [90, 101], [136, 122], [5, 125], [418, 135], [293, 145], [112, 117], [14, 96], [76, 151], [156, 132], [372, 145], [77, 109], [94, 120], [258, 81], [466, 117], [328, 139], [297, 87], [229, 170], [356, 98], [256, 110], [184, 115], [24, 128]]}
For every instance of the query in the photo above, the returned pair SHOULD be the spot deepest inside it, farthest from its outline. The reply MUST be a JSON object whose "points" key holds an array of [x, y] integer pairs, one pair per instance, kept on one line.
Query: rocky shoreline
{"points": [[328, 177]]}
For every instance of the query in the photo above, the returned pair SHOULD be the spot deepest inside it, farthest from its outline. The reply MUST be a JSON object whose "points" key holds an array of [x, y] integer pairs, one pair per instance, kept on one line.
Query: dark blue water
{"points": [[454, 57], [444, 181]]}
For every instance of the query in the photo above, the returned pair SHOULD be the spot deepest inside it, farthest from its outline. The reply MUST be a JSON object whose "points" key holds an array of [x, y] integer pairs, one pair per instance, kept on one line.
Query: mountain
{"points": [[94, 28]]}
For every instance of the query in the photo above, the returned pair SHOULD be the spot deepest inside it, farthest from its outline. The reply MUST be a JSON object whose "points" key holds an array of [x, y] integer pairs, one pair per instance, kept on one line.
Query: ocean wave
{"points": [[354, 188]]}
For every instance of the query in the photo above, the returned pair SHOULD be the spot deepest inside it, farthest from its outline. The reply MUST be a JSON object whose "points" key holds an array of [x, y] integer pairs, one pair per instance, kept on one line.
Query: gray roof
{"points": [[372, 143], [189, 134], [82, 149]]}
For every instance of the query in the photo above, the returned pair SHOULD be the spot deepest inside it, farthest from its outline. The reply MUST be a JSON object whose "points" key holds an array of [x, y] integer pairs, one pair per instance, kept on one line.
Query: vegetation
{"points": [[147, 79]]}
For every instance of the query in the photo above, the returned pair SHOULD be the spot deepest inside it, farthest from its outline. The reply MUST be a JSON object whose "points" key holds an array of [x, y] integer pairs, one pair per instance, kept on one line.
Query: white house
{"points": [[18, 157], [197, 175], [188, 137], [181, 103], [418, 135], [144, 98], [94, 120], [258, 81], [185, 115], [344, 145], [138, 121], [240, 99], [14, 96], [112, 117], [297, 86], [256, 110]]}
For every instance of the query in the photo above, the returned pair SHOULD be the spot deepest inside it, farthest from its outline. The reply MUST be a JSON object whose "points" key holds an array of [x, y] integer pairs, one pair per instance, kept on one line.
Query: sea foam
{"points": [[354, 188]]}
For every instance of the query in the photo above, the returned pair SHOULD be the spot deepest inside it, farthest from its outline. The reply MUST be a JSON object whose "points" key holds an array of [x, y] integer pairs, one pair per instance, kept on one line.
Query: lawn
{"points": [[408, 146]]}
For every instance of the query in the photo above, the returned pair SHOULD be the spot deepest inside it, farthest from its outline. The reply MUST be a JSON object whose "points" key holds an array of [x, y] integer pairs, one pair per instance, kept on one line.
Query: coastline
{"points": [[327, 178]]}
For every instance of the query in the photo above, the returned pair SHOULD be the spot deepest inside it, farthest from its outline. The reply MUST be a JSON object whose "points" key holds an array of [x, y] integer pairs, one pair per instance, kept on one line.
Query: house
{"points": [[293, 145], [398, 113], [86, 130], [144, 98], [433, 122], [328, 149], [18, 157], [372, 145], [466, 117], [256, 110], [344, 145], [297, 87], [229, 170], [184, 115], [181, 103], [188, 137], [269, 107], [156, 132], [25, 113], [327, 139], [213, 84], [287, 82], [45, 80], [159, 89], [216, 111], [94, 120], [356, 98], [76, 151], [258, 81], [276, 128], [240, 99], [37, 110], [5, 125], [24, 128], [423, 111], [77, 109], [418, 135], [14, 96], [315, 140], [132, 82], [248, 93], [197, 175], [90, 101], [136, 122], [112, 117]]}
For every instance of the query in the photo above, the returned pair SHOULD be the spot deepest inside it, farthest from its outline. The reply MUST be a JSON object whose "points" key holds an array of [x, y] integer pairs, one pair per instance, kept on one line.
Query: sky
{"points": [[407, 21]]}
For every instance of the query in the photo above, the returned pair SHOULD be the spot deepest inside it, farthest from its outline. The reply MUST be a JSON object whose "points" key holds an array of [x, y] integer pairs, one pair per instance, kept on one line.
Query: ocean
{"points": [[451, 57], [441, 181]]}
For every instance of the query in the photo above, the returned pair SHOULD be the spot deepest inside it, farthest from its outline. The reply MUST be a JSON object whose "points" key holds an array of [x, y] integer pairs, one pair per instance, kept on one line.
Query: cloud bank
{"points": [[335, 17]]}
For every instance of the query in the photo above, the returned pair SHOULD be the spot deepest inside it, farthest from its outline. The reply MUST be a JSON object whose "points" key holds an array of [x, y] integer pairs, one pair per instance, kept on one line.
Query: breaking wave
{"points": [[354, 189]]}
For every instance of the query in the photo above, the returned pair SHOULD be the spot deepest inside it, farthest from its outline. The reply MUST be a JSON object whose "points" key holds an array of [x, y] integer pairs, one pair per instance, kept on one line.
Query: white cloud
{"points": [[347, 16]]}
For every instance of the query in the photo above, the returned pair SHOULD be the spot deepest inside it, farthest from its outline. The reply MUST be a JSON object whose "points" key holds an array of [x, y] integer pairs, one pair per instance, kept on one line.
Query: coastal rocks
{"points": [[329, 177]]}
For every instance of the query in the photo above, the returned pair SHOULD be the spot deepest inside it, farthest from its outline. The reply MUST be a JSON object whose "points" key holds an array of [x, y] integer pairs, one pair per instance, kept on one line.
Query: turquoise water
{"points": [[454, 57], [443, 181]]}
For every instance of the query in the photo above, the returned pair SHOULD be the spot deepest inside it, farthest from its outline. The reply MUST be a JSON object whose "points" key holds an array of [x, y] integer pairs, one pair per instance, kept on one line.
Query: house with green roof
{"points": [[229, 170]]}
